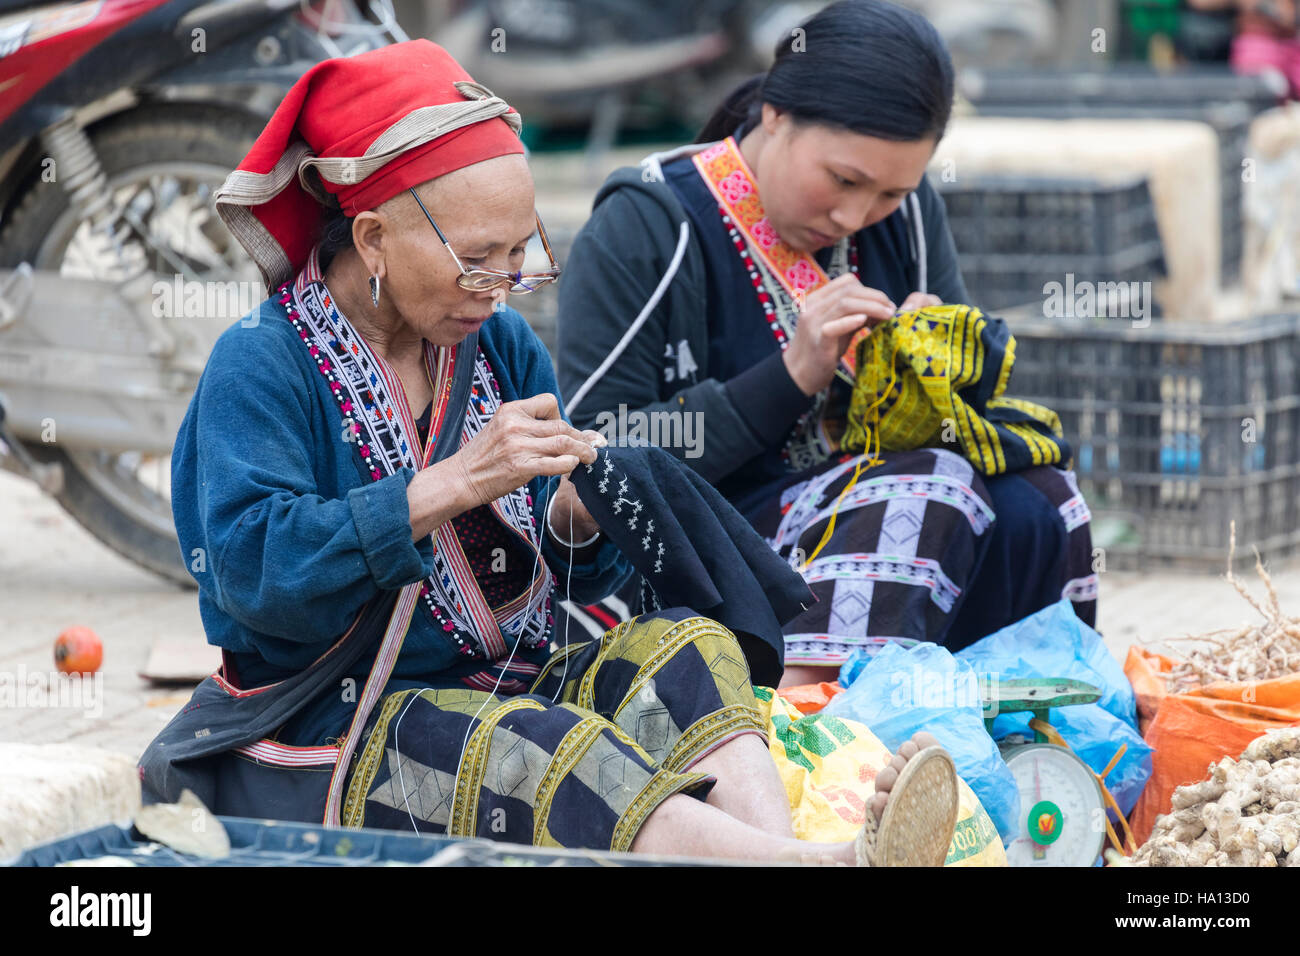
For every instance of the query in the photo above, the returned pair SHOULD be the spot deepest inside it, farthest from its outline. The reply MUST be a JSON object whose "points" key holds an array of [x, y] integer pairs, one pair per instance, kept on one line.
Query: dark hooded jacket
{"points": [[695, 351]]}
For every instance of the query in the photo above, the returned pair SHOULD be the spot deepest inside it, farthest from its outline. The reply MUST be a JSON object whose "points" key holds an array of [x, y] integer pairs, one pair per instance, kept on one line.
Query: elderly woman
{"points": [[381, 581], [801, 217]]}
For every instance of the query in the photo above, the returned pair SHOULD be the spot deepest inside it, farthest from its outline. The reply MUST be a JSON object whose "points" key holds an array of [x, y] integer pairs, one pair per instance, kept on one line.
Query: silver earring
{"points": [[374, 290]]}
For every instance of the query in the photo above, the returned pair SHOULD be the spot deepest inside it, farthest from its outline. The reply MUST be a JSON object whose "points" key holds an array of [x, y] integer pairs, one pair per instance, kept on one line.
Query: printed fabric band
{"points": [[386, 438], [732, 183], [363, 385], [609, 730]]}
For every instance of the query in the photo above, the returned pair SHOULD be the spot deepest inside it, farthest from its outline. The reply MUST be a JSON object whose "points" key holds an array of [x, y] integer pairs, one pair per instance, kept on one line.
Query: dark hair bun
{"points": [[862, 65]]}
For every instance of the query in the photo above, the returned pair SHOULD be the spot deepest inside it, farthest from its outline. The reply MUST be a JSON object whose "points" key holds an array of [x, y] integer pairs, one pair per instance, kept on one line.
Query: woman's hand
{"points": [[827, 322], [570, 520], [524, 439], [919, 300]]}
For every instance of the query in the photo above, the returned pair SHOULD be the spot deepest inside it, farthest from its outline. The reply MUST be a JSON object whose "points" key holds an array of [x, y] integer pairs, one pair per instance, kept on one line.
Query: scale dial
{"points": [[1062, 814]]}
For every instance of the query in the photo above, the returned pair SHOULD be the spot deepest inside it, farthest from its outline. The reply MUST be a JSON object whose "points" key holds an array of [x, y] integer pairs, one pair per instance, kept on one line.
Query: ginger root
{"points": [[1275, 746], [1248, 653], [1245, 813]]}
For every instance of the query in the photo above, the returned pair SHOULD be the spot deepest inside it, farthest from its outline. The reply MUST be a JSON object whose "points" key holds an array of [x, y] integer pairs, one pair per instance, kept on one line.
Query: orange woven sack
{"points": [[1190, 731], [810, 698]]}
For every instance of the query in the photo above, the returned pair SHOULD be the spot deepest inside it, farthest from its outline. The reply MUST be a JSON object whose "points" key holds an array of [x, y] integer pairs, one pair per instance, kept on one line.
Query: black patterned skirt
{"points": [[922, 548], [608, 731]]}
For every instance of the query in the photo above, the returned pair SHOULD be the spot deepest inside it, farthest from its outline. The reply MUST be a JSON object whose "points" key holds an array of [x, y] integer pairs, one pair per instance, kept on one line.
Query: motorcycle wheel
{"points": [[181, 152]]}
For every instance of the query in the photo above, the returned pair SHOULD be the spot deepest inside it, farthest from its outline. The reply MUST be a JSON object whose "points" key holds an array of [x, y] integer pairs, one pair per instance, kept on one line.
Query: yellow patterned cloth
{"points": [[937, 376], [829, 768]]}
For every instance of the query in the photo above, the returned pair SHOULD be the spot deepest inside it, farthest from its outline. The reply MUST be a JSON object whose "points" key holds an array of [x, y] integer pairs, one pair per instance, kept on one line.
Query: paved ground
{"points": [[54, 575]]}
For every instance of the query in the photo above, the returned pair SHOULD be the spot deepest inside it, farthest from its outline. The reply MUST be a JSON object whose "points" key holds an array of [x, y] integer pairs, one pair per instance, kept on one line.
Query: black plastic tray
{"points": [[276, 843]]}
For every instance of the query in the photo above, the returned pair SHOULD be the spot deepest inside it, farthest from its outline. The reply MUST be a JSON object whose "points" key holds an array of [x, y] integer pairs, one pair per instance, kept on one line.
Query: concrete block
{"points": [[49, 791]]}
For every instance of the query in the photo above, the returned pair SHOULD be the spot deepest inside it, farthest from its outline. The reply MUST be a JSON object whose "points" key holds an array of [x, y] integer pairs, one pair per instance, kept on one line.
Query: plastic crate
{"points": [[1126, 86], [1015, 234], [252, 843], [277, 843], [1177, 430], [1227, 102]]}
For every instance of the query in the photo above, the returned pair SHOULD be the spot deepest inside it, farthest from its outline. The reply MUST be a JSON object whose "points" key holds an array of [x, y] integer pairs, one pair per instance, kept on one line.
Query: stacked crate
{"points": [[1177, 430], [1014, 235]]}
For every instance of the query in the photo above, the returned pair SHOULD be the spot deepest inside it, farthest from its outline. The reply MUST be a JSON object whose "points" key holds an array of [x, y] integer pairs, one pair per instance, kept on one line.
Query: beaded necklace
{"points": [[766, 289], [387, 440]]}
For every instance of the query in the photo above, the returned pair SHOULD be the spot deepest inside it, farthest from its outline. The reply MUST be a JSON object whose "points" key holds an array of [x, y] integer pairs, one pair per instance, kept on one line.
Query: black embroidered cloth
{"points": [[694, 550]]}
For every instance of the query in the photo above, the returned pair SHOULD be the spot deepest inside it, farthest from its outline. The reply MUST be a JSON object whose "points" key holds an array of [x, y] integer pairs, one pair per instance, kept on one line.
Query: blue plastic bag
{"points": [[898, 691], [1054, 643]]}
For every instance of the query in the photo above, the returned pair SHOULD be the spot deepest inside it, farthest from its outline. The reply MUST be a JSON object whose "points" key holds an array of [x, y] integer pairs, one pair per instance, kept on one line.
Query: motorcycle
{"points": [[616, 63], [119, 119], [610, 64]]}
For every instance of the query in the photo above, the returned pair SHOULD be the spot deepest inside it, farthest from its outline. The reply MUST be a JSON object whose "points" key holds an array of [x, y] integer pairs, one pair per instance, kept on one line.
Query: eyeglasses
{"points": [[485, 280]]}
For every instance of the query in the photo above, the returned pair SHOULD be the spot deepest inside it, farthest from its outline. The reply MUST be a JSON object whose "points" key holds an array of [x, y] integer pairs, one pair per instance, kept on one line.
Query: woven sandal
{"points": [[917, 825]]}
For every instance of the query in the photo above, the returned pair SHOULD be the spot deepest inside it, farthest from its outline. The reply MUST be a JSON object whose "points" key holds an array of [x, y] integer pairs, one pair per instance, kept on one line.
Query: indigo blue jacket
{"points": [[286, 536]]}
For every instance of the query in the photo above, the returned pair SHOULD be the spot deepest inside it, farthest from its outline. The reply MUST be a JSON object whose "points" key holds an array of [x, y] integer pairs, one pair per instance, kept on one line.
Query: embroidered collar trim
{"points": [[378, 416], [797, 273]]}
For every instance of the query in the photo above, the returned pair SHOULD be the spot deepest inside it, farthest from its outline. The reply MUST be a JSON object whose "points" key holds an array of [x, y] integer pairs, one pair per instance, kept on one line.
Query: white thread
{"points": [[397, 748], [568, 585], [570, 543], [683, 235], [504, 667], [468, 730]]}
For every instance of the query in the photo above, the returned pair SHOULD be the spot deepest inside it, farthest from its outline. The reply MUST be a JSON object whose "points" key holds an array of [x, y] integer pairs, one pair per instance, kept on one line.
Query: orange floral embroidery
{"points": [[729, 179]]}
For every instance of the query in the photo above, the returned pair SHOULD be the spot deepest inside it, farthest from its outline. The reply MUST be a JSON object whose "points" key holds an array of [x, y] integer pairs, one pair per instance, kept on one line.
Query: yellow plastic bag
{"points": [[829, 769]]}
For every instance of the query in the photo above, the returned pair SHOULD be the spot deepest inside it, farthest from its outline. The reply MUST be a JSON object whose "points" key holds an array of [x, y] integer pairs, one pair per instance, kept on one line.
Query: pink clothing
{"points": [[1257, 52]]}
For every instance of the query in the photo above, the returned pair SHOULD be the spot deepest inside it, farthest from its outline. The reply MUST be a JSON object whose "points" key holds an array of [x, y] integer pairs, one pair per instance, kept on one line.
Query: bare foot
{"points": [[887, 777], [849, 853]]}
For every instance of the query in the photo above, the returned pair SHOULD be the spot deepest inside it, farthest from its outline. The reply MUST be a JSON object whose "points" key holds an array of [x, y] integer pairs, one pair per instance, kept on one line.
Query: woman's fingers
{"points": [[837, 293], [844, 325], [549, 428], [546, 427], [544, 405], [557, 445], [849, 281], [868, 294], [876, 311], [525, 439], [875, 306], [558, 465], [920, 300], [872, 313]]}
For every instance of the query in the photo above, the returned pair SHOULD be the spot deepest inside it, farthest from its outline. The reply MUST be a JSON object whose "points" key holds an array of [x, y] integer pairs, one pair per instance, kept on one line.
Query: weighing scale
{"points": [[1062, 806]]}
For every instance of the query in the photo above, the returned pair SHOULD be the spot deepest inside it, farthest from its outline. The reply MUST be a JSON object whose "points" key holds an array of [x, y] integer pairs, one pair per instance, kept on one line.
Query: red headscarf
{"points": [[363, 128]]}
